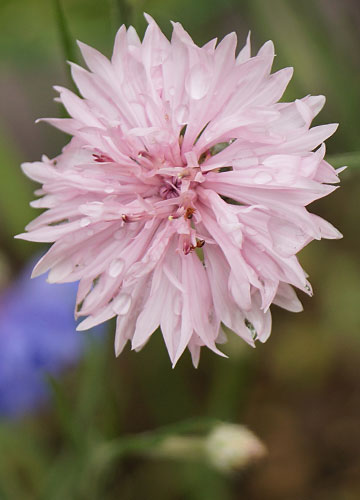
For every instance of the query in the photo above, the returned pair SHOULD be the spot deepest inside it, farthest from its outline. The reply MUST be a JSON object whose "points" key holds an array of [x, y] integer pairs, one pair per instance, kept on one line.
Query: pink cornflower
{"points": [[180, 200]]}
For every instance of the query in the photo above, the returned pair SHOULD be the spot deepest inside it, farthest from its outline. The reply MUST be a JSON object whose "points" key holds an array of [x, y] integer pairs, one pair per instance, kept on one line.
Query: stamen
{"points": [[102, 158], [189, 213], [200, 243]]}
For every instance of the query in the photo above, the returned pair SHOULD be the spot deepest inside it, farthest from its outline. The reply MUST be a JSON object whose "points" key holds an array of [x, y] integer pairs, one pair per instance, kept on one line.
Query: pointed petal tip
{"points": [[341, 169], [136, 346], [118, 348], [263, 339], [36, 272], [81, 326], [59, 89], [148, 18], [174, 359], [20, 236]]}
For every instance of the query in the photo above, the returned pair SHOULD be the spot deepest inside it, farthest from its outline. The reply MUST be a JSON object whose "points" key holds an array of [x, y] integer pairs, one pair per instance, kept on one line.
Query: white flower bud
{"points": [[232, 447]]}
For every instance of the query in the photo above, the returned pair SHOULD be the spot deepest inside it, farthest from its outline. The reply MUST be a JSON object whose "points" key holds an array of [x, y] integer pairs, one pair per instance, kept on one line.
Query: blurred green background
{"points": [[300, 391]]}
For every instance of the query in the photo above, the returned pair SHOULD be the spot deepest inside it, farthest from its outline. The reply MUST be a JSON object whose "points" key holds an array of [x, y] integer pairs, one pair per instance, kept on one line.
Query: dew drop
{"points": [[116, 267], [181, 114], [85, 221], [262, 178], [121, 304], [197, 82], [93, 208]]}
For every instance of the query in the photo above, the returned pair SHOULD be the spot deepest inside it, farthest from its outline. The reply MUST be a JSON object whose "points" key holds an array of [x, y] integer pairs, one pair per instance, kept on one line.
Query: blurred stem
{"points": [[348, 159], [64, 414], [121, 12], [66, 40], [144, 442], [229, 388], [14, 216], [137, 19]]}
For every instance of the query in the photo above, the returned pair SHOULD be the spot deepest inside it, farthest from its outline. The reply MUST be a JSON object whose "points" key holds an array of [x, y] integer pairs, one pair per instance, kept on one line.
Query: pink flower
{"points": [[180, 200]]}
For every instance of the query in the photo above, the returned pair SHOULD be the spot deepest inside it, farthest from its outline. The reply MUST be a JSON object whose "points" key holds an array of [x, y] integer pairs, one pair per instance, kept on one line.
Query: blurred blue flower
{"points": [[37, 337]]}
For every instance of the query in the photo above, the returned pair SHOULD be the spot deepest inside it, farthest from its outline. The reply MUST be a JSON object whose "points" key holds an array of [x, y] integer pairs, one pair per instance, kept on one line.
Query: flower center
{"points": [[170, 188]]}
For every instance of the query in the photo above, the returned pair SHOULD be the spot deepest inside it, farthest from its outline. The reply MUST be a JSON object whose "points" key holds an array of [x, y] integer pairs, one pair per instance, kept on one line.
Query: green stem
{"points": [[121, 12], [66, 39], [349, 159], [144, 442]]}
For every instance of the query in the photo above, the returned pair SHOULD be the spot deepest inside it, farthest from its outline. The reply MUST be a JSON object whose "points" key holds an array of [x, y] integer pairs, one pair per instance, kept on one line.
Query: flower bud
{"points": [[231, 447]]}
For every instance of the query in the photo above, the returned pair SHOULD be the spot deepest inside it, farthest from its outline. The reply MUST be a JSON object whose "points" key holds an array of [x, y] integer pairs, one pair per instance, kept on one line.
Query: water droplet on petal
{"points": [[181, 114], [94, 208], [122, 303], [197, 82], [116, 267], [263, 178], [85, 221], [109, 189]]}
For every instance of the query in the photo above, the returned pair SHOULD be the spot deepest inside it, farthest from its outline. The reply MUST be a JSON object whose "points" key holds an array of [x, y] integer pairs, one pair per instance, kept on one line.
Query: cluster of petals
{"points": [[180, 201]]}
